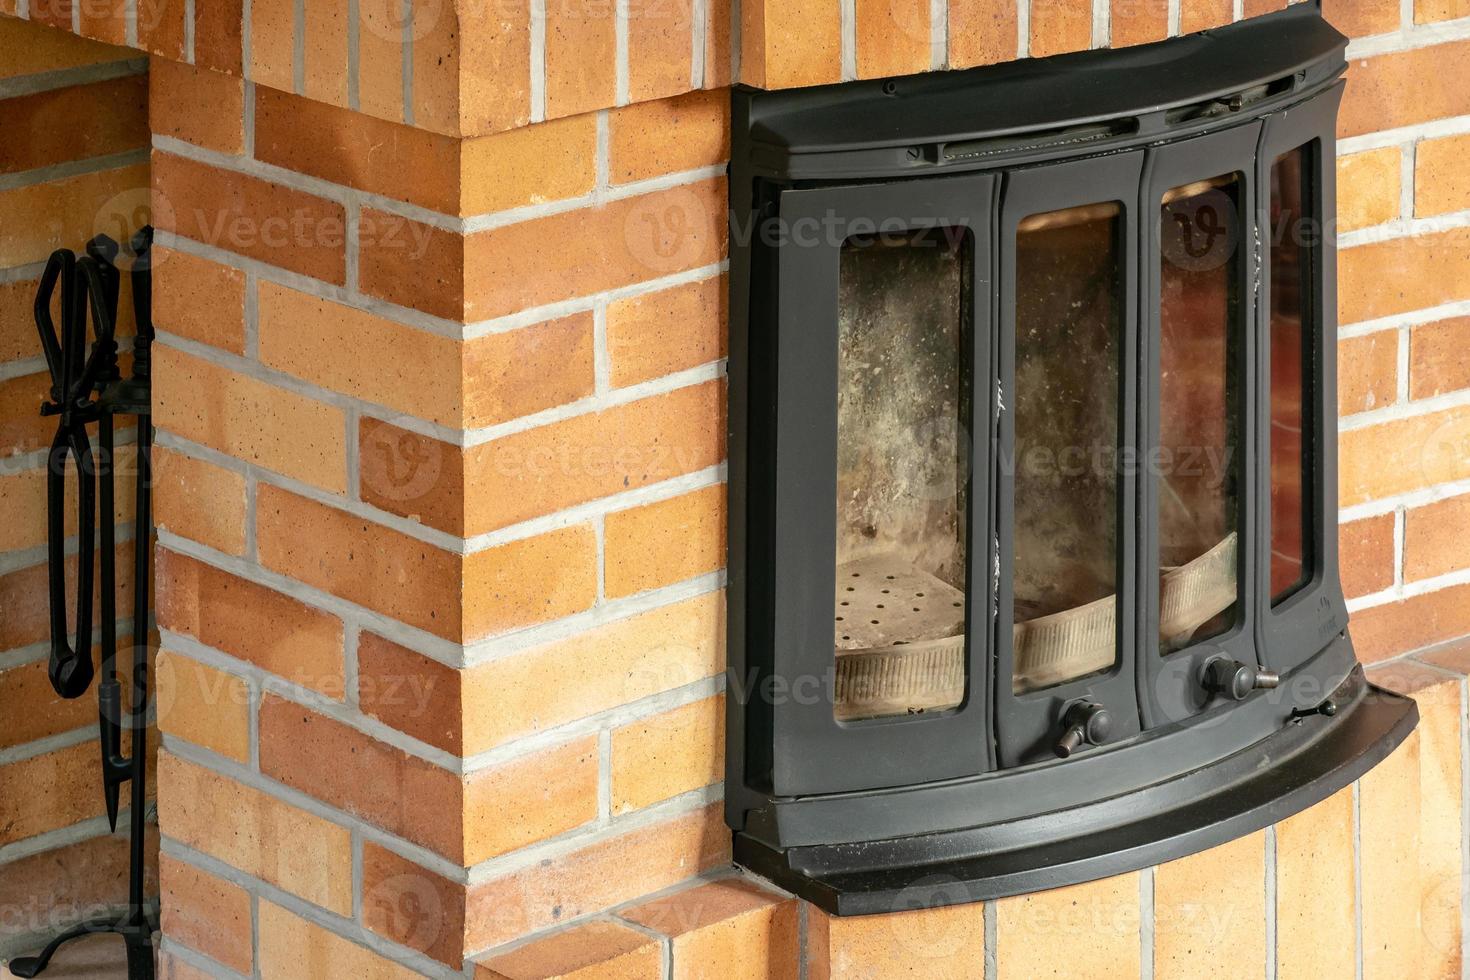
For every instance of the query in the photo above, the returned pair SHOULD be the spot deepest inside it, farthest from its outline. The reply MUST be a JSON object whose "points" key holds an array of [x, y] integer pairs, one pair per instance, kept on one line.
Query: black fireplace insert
{"points": [[1033, 550]]}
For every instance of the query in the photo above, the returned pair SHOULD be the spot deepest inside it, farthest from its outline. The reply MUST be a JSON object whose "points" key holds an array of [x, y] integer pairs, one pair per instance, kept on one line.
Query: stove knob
{"points": [[1084, 723], [1236, 680]]}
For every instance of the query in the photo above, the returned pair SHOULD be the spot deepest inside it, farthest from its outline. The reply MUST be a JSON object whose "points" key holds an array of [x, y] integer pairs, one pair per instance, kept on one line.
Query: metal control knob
{"points": [[1085, 723], [1236, 680]]}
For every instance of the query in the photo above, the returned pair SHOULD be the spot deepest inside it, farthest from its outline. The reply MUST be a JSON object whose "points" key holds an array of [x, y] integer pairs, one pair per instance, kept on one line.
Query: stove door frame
{"points": [[812, 752]]}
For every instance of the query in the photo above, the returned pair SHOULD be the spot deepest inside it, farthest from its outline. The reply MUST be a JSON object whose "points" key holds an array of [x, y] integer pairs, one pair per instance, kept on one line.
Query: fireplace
{"points": [[1033, 565]]}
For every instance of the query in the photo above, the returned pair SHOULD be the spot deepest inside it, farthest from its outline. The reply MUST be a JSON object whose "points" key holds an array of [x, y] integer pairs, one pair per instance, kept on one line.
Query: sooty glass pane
{"points": [[903, 403], [1291, 503], [1199, 390], [1066, 414]]}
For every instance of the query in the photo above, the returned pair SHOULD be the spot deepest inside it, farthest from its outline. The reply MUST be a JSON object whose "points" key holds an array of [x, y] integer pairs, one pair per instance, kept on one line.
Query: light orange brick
{"points": [[1362, 18], [247, 620], [1403, 88], [412, 906], [581, 61], [1210, 908], [659, 333], [1388, 805], [728, 928], [291, 946], [380, 58], [788, 45], [616, 663], [670, 753], [1379, 461], [514, 373], [161, 27], [530, 798], [596, 950], [48, 791], [255, 218], [206, 707], [1059, 26], [662, 543], [596, 877], [946, 943], [1434, 537], [1367, 373], [1366, 555], [104, 20], [1081, 931], [1202, 15], [199, 501], [1439, 358], [249, 419], [65, 212], [1441, 175], [1432, 11], [27, 50], [272, 43], [661, 48], [325, 52], [892, 37], [549, 161], [196, 105], [495, 72], [666, 136], [1138, 22], [1316, 894], [530, 581], [1386, 630], [253, 831], [719, 67], [199, 299], [33, 710], [1368, 188], [207, 914]]}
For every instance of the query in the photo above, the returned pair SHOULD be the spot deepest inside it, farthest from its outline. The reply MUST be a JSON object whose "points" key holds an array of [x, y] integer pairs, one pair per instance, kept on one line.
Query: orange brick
{"points": [[66, 212], [495, 66], [718, 61], [554, 466], [1059, 26], [412, 475], [1403, 88], [218, 35], [411, 905], [1361, 18], [204, 706], [661, 46], [250, 419], [726, 928], [549, 161], [530, 581], [1316, 918], [344, 147], [48, 791], [17, 328], [674, 752], [1258, 8], [1038, 934], [655, 334], [23, 597], [1210, 908], [247, 620], [938, 944], [199, 299], [107, 117], [1383, 631], [614, 664], [197, 105], [410, 692], [1434, 537], [519, 372], [530, 798], [650, 139], [892, 37], [1368, 186], [1439, 358], [272, 43], [360, 561], [23, 522], [343, 349], [1139, 21], [1441, 176], [199, 501], [170, 967], [596, 877], [33, 710], [25, 50], [1403, 274], [1367, 374], [1366, 555], [105, 20], [22, 427], [666, 542], [205, 913], [1396, 457], [291, 946], [380, 58], [1431, 11], [581, 60], [1201, 15], [1388, 805], [597, 949], [326, 52], [67, 884], [412, 264], [787, 45], [161, 27], [360, 775], [250, 217]]}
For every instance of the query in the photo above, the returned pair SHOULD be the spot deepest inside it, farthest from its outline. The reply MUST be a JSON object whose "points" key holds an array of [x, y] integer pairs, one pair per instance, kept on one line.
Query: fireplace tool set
{"points": [[89, 388]]}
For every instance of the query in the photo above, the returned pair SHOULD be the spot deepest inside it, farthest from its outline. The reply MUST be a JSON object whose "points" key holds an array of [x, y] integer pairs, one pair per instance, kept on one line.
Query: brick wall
{"points": [[73, 162], [440, 495]]}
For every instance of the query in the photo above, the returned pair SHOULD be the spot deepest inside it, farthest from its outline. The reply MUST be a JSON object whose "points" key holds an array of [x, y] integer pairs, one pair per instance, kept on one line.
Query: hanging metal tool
{"points": [[89, 288]]}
